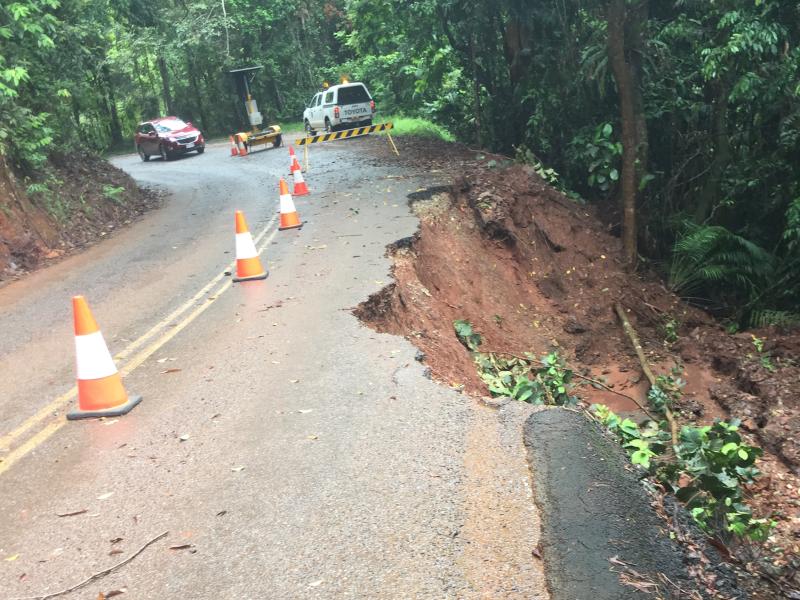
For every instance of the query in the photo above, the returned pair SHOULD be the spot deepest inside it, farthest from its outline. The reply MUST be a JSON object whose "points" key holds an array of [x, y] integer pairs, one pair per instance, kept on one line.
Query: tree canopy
{"points": [[681, 116]]}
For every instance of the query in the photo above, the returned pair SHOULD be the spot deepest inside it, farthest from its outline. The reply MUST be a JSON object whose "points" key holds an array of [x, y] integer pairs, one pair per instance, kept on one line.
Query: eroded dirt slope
{"points": [[85, 199], [535, 272]]}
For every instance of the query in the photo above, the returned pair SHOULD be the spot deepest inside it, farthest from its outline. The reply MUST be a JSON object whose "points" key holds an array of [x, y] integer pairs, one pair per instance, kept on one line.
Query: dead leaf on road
{"points": [[294, 381], [171, 371], [12, 557], [313, 437], [118, 592], [222, 512], [305, 411], [537, 551], [116, 540], [181, 547], [184, 437], [237, 469], [115, 551], [73, 513], [105, 496]]}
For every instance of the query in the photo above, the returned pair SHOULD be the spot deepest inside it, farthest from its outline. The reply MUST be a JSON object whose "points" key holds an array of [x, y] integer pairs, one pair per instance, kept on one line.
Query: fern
{"points": [[714, 260], [779, 318]]}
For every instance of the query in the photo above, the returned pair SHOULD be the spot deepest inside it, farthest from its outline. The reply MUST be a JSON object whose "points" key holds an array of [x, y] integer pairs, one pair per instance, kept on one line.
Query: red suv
{"points": [[167, 137]]}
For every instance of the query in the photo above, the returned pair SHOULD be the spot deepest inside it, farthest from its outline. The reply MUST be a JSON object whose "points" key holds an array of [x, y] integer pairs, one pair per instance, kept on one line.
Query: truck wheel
{"points": [[145, 157], [309, 130], [328, 126], [278, 141], [163, 153]]}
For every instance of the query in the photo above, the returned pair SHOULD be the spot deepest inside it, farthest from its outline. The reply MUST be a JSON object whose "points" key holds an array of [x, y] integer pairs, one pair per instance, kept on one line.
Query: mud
{"points": [[535, 272]]}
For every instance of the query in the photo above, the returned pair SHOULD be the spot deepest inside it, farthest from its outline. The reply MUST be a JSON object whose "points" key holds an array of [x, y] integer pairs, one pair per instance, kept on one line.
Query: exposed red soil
{"points": [[535, 272], [83, 204]]}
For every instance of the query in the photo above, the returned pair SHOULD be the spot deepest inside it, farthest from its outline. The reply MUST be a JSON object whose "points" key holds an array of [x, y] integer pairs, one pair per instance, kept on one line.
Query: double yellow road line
{"points": [[131, 357]]}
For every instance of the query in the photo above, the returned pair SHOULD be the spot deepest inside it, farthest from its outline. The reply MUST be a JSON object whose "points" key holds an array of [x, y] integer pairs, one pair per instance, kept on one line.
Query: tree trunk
{"points": [[198, 97], [476, 90], [634, 41], [162, 68], [711, 192], [623, 76], [116, 127]]}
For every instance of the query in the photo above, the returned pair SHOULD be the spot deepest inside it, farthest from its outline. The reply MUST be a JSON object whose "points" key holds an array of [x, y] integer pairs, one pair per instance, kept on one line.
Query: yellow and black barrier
{"points": [[341, 135]]}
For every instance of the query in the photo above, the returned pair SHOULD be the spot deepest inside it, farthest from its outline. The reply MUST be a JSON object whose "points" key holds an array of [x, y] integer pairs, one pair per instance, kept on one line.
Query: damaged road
{"points": [[288, 451]]}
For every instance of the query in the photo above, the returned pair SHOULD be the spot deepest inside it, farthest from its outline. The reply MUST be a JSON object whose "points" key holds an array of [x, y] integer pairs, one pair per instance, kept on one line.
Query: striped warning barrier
{"points": [[341, 135]]}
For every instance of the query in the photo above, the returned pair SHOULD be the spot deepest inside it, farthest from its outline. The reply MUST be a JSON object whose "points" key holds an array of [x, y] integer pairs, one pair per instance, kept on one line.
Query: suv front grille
{"points": [[187, 140]]}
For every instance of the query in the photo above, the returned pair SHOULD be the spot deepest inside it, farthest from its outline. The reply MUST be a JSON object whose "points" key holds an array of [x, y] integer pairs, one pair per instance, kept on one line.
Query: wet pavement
{"points": [[288, 451]]}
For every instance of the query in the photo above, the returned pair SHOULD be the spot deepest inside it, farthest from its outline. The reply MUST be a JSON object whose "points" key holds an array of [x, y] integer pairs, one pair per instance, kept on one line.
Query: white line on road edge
{"points": [[10, 459]]}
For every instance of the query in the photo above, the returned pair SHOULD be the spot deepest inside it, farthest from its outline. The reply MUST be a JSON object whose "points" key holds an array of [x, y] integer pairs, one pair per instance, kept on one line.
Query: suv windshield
{"points": [[353, 94], [170, 125]]}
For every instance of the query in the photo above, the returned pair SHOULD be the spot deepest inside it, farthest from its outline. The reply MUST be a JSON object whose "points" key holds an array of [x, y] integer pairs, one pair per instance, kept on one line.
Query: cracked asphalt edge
{"points": [[594, 508]]}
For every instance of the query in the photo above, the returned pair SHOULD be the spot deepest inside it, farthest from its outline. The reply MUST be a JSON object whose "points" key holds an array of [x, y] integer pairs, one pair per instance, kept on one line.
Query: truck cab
{"points": [[342, 106]]}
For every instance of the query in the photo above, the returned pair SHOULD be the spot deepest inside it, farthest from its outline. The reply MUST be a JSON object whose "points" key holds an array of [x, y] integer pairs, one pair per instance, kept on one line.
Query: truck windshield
{"points": [[353, 94]]}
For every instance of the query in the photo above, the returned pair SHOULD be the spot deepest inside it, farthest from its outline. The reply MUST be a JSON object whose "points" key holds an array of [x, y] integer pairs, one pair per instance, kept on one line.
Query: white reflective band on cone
{"points": [[287, 204], [298, 176], [245, 248], [92, 357]]}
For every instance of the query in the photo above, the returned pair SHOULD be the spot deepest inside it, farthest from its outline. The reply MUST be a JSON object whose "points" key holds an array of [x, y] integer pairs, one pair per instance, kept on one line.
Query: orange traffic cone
{"points": [[248, 265], [243, 139], [100, 391], [300, 187], [234, 149], [294, 165], [289, 217]]}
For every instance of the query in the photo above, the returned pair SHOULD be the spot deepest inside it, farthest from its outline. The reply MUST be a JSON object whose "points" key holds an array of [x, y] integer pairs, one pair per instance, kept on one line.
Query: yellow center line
{"points": [[133, 363]]}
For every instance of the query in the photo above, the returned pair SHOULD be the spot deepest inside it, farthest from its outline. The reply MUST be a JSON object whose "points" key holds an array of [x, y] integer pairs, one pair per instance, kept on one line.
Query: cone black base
{"points": [[263, 275], [116, 411]]}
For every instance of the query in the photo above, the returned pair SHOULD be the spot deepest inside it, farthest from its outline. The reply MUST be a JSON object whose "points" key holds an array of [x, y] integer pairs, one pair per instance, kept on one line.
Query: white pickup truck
{"points": [[339, 107]]}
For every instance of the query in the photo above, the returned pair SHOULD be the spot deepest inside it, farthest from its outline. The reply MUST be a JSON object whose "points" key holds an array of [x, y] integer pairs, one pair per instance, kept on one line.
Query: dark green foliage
{"points": [[525, 378], [715, 88], [707, 470]]}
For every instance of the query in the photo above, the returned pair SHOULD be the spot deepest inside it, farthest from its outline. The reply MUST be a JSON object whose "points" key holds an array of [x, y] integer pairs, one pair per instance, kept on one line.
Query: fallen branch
{"points": [[637, 346], [98, 575]]}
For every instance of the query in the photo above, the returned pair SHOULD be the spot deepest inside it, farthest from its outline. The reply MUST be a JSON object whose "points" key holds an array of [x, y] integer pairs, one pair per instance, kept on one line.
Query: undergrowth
{"points": [[707, 469], [417, 127], [525, 378]]}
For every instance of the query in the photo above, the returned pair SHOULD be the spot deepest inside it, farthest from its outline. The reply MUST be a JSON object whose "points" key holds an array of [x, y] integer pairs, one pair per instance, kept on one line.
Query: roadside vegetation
{"points": [[705, 467], [679, 118], [420, 128]]}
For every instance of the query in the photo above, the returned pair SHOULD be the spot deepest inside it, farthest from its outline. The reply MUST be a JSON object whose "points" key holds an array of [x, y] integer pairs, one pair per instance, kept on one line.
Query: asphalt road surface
{"points": [[288, 451]]}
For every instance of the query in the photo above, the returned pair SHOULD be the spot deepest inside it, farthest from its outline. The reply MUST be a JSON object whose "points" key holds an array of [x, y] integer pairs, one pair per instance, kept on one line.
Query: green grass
{"points": [[291, 126], [418, 127]]}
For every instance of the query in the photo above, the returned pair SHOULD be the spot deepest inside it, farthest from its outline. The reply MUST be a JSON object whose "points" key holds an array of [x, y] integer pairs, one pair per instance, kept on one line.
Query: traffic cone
{"points": [[243, 150], [248, 265], [234, 149], [289, 217], [100, 391], [293, 163], [300, 187]]}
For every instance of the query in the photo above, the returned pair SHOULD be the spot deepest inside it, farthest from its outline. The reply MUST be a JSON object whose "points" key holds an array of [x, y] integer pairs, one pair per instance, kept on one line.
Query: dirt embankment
{"points": [[81, 199], [536, 272]]}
